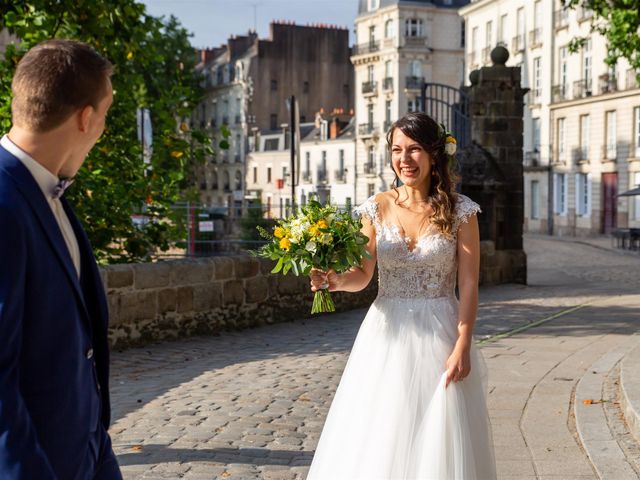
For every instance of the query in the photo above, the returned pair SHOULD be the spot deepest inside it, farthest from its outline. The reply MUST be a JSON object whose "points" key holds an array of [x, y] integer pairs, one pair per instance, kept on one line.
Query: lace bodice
{"points": [[427, 271]]}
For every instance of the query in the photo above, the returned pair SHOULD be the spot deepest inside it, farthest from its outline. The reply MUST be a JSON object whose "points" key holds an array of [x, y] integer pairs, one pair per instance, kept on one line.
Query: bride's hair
{"points": [[421, 128]]}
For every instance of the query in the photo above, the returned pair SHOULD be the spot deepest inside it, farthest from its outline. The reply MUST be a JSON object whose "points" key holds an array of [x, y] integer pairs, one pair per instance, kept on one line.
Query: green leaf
{"points": [[278, 266]]}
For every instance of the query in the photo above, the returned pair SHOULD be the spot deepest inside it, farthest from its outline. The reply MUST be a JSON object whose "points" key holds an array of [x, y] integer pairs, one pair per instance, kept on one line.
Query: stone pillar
{"points": [[496, 106]]}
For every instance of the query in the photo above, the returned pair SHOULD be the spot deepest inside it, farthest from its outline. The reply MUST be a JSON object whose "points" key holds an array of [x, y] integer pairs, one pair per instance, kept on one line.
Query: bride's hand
{"points": [[458, 364], [320, 280]]}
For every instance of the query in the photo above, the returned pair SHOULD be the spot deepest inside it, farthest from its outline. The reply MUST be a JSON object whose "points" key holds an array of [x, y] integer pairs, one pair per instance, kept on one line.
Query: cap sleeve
{"points": [[465, 208], [369, 210]]}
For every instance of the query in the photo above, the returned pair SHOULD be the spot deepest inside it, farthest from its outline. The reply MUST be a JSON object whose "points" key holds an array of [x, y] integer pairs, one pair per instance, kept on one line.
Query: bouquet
{"points": [[318, 237]]}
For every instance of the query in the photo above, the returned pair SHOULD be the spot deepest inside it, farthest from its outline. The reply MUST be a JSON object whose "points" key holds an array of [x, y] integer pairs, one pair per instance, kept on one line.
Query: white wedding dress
{"points": [[392, 417]]}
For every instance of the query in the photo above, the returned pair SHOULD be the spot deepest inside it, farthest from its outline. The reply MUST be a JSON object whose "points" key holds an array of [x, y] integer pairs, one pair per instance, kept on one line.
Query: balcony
{"points": [[581, 154], [610, 152], [365, 48], [340, 176], [367, 129], [306, 177], [561, 18], [584, 14], [532, 159], [535, 37], [486, 55], [582, 88], [370, 88], [387, 84], [560, 93], [414, 83], [420, 42], [632, 79], [369, 169], [322, 176], [517, 44], [608, 83]]}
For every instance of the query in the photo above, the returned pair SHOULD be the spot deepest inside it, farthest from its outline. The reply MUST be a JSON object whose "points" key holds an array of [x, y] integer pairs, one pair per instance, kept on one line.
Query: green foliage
{"points": [[619, 22], [253, 223], [154, 68]]}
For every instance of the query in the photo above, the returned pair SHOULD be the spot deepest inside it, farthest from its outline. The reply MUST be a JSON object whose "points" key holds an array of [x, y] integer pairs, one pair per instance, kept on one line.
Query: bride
{"points": [[411, 403]]}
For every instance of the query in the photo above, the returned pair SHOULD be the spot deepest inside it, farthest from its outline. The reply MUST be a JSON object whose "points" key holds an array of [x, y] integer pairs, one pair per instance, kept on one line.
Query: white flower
{"points": [[450, 148], [326, 238], [310, 246]]}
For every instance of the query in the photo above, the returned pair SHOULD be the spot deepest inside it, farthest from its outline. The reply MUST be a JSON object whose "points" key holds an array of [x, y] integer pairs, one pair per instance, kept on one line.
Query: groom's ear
{"points": [[84, 116]]}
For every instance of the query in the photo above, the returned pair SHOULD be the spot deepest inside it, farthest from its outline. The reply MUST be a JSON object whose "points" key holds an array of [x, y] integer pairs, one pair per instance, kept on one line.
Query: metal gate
{"points": [[450, 106]]}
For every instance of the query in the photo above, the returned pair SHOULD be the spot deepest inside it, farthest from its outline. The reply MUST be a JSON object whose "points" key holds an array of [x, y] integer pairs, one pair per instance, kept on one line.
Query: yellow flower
{"points": [[278, 232], [314, 230], [285, 243], [323, 223], [450, 139], [130, 56], [176, 154]]}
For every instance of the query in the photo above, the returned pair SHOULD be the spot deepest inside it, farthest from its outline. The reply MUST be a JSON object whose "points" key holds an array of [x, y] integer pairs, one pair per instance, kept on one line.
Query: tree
{"points": [[154, 68], [619, 22]]}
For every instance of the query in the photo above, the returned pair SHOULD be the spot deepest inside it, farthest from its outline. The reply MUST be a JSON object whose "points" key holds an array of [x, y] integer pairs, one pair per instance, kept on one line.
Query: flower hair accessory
{"points": [[450, 144]]}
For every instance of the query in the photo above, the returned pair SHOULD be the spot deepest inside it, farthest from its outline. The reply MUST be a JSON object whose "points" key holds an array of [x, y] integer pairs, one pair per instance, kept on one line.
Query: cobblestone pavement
{"points": [[251, 404]]}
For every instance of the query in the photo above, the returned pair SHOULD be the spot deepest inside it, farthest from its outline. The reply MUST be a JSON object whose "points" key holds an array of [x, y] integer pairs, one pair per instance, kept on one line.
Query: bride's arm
{"points": [[459, 364], [355, 279]]}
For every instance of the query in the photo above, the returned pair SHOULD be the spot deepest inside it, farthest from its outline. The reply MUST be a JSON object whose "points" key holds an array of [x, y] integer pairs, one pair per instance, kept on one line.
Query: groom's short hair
{"points": [[53, 80]]}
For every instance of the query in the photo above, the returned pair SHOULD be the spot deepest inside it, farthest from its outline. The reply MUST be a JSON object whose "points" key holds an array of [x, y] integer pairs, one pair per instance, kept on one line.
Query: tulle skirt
{"points": [[392, 417]]}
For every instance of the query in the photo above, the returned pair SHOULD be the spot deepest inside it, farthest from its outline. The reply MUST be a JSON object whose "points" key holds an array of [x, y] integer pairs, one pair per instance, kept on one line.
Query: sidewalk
{"points": [[251, 404]]}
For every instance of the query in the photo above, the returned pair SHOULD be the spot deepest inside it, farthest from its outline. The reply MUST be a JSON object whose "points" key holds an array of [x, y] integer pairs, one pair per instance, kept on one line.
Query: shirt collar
{"points": [[46, 180]]}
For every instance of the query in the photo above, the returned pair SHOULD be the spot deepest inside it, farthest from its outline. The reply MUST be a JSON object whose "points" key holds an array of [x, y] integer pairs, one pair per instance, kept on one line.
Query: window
{"points": [[536, 134], [503, 30], [560, 193], [413, 27], [372, 35], [535, 199], [610, 153], [307, 162], [474, 45], [636, 130], [388, 29], [415, 69], [268, 174], [562, 147], [341, 161], [636, 199], [371, 190], [255, 174], [520, 29], [488, 38], [414, 104], [562, 58], [371, 156], [584, 137], [387, 114], [373, 4], [273, 121], [274, 85], [387, 69], [586, 66], [582, 194], [370, 73], [370, 115], [537, 15], [462, 33], [537, 78], [271, 144]]}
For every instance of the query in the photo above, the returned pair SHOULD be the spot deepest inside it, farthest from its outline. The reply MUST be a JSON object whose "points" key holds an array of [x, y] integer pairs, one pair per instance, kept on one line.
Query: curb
{"points": [[601, 447], [630, 390]]}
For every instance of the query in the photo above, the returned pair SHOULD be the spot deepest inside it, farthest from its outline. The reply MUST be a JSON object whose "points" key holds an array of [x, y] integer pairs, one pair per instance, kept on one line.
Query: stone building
{"points": [[400, 44], [327, 165], [582, 117], [248, 82]]}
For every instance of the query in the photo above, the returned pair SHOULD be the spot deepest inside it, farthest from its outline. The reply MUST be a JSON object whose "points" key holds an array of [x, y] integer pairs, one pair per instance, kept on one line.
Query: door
{"points": [[609, 201]]}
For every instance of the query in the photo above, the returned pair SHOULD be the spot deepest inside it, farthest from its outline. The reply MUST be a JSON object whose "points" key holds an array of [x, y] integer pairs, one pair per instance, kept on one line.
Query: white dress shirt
{"points": [[47, 182]]}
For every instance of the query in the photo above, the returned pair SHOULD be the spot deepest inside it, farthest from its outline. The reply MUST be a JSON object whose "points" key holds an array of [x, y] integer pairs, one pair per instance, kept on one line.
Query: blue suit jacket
{"points": [[53, 337]]}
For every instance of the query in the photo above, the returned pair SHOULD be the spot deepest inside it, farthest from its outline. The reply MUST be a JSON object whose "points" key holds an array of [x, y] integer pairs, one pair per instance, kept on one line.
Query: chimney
{"points": [[334, 129]]}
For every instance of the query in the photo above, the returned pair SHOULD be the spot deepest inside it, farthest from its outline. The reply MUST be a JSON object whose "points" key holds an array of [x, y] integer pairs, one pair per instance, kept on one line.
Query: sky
{"points": [[213, 21]]}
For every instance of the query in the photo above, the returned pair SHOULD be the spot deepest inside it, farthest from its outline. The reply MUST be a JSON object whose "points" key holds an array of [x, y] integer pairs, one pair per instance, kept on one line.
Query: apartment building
{"points": [[400, 45], [582, 116]]}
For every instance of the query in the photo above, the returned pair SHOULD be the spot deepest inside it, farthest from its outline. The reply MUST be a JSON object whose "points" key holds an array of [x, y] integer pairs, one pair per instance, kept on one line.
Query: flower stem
{"points": [[322, 302]]}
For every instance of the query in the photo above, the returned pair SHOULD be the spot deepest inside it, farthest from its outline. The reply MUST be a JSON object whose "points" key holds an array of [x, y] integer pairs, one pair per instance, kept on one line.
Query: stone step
{"points": [[630, 388]]}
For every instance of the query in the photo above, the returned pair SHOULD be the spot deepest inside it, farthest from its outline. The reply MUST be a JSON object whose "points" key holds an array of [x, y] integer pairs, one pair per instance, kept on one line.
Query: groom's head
{"points": [[63, 88]]}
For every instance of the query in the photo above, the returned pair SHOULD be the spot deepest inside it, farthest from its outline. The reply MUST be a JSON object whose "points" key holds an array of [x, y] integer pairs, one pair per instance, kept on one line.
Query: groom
{"points": [[54, 398]]}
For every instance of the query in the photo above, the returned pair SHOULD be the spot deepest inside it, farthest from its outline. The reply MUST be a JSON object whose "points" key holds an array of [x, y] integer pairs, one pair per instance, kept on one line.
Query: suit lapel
{"points": [[39, 205]]}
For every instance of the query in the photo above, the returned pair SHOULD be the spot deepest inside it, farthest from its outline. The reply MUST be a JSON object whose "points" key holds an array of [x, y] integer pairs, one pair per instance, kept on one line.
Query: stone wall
{"points": [[157, 301]]}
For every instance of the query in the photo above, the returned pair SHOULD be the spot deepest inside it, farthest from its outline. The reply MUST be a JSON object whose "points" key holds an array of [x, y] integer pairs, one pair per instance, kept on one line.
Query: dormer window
{"points": [[373, 4], [413, 27]]}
